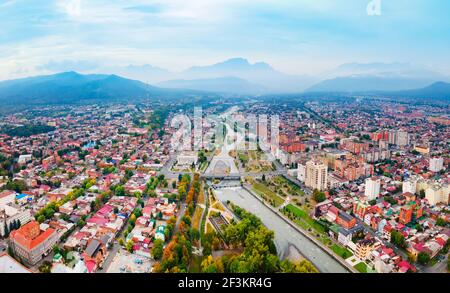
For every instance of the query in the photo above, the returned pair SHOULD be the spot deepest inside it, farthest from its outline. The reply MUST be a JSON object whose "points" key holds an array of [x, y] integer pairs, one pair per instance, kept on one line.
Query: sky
{"points": [[294, 36]]}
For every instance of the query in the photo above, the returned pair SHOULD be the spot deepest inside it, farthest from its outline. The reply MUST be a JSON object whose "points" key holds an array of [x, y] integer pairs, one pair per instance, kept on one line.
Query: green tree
{"points": [[129, 246], [120, 190], [423, 258], [441, 222], [318, 196], [398, 239], [45, 267], [157, 250], [41, 219]]}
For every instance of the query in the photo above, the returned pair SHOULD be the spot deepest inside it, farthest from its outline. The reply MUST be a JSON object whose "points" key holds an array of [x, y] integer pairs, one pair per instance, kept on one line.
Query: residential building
{"points": [[372, 188], [316, 175], [436, 164], [30, 244]]}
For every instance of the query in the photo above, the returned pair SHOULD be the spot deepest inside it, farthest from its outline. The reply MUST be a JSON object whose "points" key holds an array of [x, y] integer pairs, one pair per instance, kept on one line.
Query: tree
{"points": [[132, 219], [304, 266], [81, 223], [120, 190], [209, 265], [441, 222], [157, 250], [6, 230], [129, 246], [318, 196], [41, 219], [423, 258], [398, 239], [121, 242], [45, 267], [422, 193]]}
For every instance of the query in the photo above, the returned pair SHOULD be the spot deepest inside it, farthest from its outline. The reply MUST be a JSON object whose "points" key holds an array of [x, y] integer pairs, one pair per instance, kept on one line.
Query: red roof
{"points": [[440, 241], [106, 209], [388, 251], [147, 210], [418, 246], [90, 264], [30, 236], [98, 220]]}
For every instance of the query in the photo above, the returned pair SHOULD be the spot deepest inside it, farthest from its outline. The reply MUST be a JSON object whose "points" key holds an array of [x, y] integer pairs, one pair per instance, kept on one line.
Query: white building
{"points": [[436, 164], [372, 188], [409, 185], [399, 137], [437, 193], [301, 172], [11, 213], [187, 159], [316, 175]]}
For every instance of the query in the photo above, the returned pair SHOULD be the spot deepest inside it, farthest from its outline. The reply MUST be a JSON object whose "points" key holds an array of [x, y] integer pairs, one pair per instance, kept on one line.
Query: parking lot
{"points": [[125, 262]]}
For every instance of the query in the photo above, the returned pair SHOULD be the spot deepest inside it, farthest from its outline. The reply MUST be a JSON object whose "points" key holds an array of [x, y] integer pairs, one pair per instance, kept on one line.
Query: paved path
{"points": [[109, 259]]}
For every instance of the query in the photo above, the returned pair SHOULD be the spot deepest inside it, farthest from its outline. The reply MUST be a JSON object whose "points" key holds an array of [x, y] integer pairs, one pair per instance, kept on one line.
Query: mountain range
{"points": [[69, 87], [234, 76], [219, 84], [262, 78]]}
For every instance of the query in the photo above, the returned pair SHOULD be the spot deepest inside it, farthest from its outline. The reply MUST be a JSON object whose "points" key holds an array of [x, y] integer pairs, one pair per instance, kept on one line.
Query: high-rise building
{"points": [[316, 175], [372, 188], [436, 164], [399, 137], [438, 193], [301, 172], [409, 185]]}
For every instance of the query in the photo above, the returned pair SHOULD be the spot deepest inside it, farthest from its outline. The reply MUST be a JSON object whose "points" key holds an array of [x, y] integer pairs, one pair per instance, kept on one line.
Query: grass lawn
{"points": [[290, 187], [341, 251], [243, 158], [361, 267], [302, 214], [201, 197], [197, 218], [265, 191]]}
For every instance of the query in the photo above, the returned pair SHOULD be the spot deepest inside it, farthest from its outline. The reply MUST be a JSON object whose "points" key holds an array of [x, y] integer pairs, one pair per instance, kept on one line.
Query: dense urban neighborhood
{"points": [[339, 185]]}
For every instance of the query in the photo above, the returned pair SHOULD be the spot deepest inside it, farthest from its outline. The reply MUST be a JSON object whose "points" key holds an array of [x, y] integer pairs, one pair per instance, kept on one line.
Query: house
{"points": [[30, 244], [364, 247], [345, 220], [94, 253]]}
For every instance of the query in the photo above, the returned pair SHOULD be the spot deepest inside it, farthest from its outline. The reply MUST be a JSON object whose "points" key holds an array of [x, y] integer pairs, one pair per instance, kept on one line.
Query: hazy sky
{"points": [[297, 37]]}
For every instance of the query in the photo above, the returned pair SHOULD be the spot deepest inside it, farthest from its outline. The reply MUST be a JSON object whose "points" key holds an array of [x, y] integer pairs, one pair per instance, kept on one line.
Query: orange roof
{"points": [[30, 236]]}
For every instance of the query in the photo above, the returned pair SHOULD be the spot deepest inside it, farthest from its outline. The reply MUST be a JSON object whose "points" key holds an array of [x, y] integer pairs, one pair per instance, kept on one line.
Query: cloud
{"points": [[151, 9], [69, 65], [291, 35]]}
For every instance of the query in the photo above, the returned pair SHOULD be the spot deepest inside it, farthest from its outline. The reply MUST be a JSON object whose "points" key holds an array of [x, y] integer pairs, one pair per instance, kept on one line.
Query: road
{"points": [[180, 215], [438, 268], [109, 259], [285, 235]]}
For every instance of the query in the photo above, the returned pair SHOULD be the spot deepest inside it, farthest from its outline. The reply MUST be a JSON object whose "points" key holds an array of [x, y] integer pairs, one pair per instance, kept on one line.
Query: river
{"points": [[284, 233]]}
